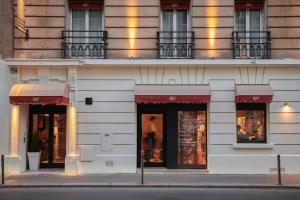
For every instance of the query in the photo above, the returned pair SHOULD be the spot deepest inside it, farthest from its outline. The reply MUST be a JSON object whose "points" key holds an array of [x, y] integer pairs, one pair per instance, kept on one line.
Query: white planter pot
{"points": [[34, 160]]}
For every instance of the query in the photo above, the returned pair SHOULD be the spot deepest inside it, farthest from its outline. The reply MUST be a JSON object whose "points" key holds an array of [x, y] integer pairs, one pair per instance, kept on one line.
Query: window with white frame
{"points": [[175, 37], [86, 23], [251, 123], [249, 29]]}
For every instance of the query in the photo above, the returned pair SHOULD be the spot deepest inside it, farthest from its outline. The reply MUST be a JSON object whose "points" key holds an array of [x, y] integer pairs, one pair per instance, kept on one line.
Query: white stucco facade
{"points": [[106, 131]]}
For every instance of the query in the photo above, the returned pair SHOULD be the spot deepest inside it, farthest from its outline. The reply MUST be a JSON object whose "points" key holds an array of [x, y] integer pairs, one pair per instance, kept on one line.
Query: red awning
{"points": [[253, 94], [39, 94], [248, 4], [162, 94], [89, 4], [175, 4]]}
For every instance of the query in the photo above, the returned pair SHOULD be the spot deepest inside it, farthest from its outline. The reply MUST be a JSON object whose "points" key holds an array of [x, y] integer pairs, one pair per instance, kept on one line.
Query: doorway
{"points": [[48, 125], [172, 135]]}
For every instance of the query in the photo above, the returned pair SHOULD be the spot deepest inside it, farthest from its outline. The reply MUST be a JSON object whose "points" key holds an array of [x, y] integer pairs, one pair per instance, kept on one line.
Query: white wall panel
{"points": [[285, 138], [283, 117], [222, 84], [89, 85], [284, 128], [106, 117], [222, 117], [222, 96], [277, 149], [88, 139], [222, 138], [285, 84], [286, 96], [222, 107], [124, 138], [222, 128], [106, 107], [106, 128]]}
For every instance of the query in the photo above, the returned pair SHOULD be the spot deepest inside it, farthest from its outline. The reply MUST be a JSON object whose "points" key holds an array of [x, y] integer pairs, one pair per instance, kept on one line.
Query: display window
{"points": [[191, 138], [251, 123]]}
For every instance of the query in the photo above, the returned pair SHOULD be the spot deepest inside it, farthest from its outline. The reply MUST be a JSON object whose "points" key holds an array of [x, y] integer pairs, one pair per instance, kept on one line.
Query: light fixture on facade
{"points": [[286, 107]]}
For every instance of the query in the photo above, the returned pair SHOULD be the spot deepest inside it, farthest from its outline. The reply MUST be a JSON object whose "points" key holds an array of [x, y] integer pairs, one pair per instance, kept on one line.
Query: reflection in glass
{"points": [[250, 126], [40, 127], [152, 138], [59, 138], [192, 139]]}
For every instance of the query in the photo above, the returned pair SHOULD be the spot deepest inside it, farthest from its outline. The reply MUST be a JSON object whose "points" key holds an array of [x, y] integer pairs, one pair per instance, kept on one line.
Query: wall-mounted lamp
{"points": [[286, 104]]}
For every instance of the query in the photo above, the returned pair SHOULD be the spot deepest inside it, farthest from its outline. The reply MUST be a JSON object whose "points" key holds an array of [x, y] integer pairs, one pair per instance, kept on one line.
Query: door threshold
{"points": [[44, 171], [161, 170]]}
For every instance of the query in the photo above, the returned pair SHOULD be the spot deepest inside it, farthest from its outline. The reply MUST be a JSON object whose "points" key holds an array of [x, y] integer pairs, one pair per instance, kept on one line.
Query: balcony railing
{"points": [[84, 44], [175, 44], [251, 44]]}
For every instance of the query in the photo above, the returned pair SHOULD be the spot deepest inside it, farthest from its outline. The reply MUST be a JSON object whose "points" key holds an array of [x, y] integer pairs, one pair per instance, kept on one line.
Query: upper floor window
{"points": [[175, 37], [249, 30], [86, 37]]}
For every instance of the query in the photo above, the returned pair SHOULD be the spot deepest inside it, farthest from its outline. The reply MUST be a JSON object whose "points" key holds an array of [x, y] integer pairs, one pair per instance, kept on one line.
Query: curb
{"points": [[150, 186]]}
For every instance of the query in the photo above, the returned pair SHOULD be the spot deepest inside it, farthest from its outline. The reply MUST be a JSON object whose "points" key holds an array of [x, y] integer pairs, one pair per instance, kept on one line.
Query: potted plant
{"points": [[34, 153]]}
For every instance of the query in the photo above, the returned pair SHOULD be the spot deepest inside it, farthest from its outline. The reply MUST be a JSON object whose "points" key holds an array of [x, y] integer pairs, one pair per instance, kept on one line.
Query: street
{"points": [[147, 194]]}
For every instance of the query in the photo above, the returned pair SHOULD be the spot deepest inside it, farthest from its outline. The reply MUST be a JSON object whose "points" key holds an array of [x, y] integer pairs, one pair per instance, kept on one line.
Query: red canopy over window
{"points": [[253, 94], [163, 94], [248, 4], [175, 4], [39, 94], [82, 4]]}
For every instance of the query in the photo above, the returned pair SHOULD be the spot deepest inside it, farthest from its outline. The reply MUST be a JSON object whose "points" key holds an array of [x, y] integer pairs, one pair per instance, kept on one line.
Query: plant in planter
{"points": [[34, 153]]}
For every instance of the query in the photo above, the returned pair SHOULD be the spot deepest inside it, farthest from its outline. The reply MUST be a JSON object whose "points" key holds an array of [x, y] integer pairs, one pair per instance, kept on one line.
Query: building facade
{"points": [[212, 85]]}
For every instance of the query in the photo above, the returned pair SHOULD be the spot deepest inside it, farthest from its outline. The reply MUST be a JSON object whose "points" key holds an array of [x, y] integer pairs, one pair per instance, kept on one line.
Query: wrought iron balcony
{"points": [[175, 44], [84, 44], [251, 44]]}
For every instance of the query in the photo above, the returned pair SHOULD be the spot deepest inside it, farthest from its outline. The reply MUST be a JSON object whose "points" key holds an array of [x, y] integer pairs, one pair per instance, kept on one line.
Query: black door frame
{"points": [[51, 110], [170, 112]]}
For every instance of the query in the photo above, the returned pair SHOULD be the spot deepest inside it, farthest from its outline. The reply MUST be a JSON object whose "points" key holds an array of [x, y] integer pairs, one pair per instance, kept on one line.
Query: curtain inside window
{"points": [[95, 24], [181, 26], [167, 25], [254, 25], [78, 24]]}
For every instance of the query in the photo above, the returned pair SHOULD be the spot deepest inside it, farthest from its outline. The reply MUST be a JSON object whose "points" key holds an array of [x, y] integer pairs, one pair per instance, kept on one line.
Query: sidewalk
{"points": [[151, 179]]}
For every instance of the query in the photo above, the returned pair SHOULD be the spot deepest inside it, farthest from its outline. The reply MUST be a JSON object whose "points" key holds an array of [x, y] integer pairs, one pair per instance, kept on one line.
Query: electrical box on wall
{"points": [[88, 101]]}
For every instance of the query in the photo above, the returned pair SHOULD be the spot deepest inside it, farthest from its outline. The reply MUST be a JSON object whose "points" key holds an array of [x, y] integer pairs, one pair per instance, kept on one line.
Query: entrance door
{"points": [[172, 135], [152, 139], [48, 125]]}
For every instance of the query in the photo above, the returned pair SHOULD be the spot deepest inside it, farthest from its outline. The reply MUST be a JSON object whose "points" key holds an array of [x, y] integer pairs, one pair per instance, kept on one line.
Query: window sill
{"points": [[253, 146]]}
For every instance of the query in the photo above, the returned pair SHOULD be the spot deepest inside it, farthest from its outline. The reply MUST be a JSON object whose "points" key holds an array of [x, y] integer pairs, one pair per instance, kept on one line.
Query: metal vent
{"points": [[109, 163]]}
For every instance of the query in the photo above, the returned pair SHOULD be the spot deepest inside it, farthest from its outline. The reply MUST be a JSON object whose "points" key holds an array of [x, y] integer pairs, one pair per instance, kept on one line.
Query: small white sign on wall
{"points": [[106, 144]]}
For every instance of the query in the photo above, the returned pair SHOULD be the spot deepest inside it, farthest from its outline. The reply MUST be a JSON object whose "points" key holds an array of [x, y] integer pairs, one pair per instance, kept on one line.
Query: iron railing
{"points": [[251, 44], [84, 44], [175, 44]]}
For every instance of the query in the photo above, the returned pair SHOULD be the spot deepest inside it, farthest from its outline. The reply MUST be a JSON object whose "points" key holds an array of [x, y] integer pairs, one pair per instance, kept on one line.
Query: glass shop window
{"points": [[251, 123]]}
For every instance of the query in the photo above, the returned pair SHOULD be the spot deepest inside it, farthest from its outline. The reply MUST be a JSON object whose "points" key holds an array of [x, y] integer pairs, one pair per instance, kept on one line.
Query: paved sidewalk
{"points": [[164, 179]]}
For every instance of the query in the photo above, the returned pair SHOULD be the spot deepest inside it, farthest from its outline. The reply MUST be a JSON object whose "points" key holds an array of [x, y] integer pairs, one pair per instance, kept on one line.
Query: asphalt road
{"points": [[146, 194]]}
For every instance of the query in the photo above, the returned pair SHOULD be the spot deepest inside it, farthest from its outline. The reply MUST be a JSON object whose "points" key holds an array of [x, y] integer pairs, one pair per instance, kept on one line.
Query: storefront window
{"points": [[152, 138], [192, 139], [251, 123]]}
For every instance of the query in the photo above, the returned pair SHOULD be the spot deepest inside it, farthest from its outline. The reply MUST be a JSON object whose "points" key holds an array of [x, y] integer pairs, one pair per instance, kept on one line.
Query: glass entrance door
{"points": [[152, 139], [48, 125]]}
